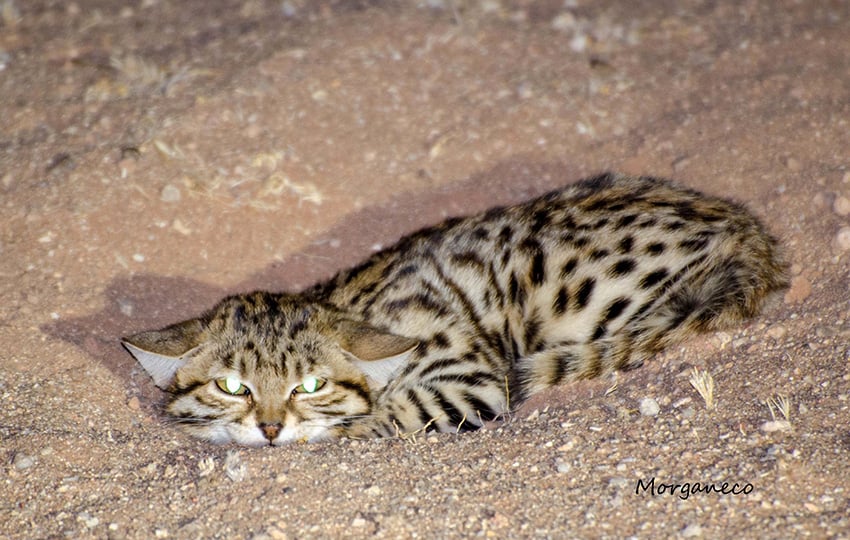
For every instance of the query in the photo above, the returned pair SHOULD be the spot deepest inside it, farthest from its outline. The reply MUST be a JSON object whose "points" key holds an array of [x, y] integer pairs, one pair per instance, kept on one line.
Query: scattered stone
{"points": [[23, 461], [125, 307], [170, 194], [619, 482], [693, 530], [90, 521], [578, 43], [841, 206], [793, 164], [564, 21], [180, 227], [567, 446], [800, 288], [373, 491], [821, 200], [134, 404], [777, 331], [776, 425], [563, 466], [649, 407], [842, 239], [358, 522]]}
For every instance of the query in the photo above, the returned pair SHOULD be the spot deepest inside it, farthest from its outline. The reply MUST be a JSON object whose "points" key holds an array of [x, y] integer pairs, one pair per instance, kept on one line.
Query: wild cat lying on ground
{"points": [[456, 324]]}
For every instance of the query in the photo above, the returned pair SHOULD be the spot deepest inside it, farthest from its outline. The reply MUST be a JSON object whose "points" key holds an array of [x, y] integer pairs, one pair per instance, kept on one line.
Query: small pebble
{"points": [[692, 531], [90, 521], [777, 331], [373, 491], [776, 425], [564, 22], [800, 289], [841, 206], [649, 407], [793, 164], [134, 404], [170, 194], [842, 239], [23, 461]]}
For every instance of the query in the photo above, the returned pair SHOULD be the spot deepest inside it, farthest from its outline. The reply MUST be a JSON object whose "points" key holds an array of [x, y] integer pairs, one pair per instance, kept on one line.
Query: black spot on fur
{"points": [[693, 245], [480, 233], [559, 305], [532, 330], [441, 340], [567, 222], [563, 365], [656, 248], [407, 270], [569, 267], [585, 290], [537, 274], [540, 219], [653, 278], [597, 254], [674, 225], [467, 258], [625, 245], [622, 267], [625, 221], [506, 236], [686, 211], [615, 309], [598, 333]]}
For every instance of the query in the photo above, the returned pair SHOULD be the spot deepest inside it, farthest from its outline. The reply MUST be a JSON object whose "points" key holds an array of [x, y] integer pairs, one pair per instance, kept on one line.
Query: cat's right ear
{"points": [[163, 352]]}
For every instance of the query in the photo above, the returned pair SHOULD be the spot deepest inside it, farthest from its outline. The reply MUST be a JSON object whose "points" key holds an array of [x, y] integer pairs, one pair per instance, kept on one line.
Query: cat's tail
{"points": [[742, 273]]}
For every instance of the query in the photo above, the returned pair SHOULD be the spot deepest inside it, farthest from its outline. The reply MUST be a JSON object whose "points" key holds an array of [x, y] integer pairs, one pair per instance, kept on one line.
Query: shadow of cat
{"points": [[138, 302]]}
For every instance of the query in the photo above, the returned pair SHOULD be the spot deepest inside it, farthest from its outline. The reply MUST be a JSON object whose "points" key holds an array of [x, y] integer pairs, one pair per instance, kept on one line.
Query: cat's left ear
{"points": [[163, 352], [380, 355]]}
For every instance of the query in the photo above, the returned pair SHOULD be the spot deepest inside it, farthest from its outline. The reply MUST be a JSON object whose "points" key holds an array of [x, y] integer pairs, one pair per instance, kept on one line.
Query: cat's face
{"points": [[263, 369]]}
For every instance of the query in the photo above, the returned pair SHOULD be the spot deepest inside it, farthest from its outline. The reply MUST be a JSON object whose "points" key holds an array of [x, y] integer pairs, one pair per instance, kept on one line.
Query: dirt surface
{"points": [[157, 155]]}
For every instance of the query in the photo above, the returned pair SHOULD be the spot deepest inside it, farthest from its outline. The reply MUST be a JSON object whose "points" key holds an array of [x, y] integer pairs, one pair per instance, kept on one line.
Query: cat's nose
{"points": [[271, 431]]}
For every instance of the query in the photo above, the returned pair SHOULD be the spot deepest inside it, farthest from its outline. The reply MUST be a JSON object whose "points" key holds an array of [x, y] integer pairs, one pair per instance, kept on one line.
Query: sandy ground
{"points": [[157, 155]]}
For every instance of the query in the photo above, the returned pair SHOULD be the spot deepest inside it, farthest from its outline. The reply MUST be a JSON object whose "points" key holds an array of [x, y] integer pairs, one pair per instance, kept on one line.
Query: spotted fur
{"points": [[457, 323]]}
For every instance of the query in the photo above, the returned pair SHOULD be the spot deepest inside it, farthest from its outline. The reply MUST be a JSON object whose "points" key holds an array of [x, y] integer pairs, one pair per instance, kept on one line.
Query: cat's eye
{"points": [[231, 385], [309, 385]]}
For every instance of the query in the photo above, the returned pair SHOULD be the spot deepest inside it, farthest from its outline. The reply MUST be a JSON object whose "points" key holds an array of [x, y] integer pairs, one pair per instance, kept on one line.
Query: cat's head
{"points": [[263, 368]]}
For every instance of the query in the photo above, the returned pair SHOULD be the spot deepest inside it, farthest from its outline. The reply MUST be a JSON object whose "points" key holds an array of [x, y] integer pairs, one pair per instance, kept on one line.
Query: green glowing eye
{"points": [[310, 385], [231, 385]]}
